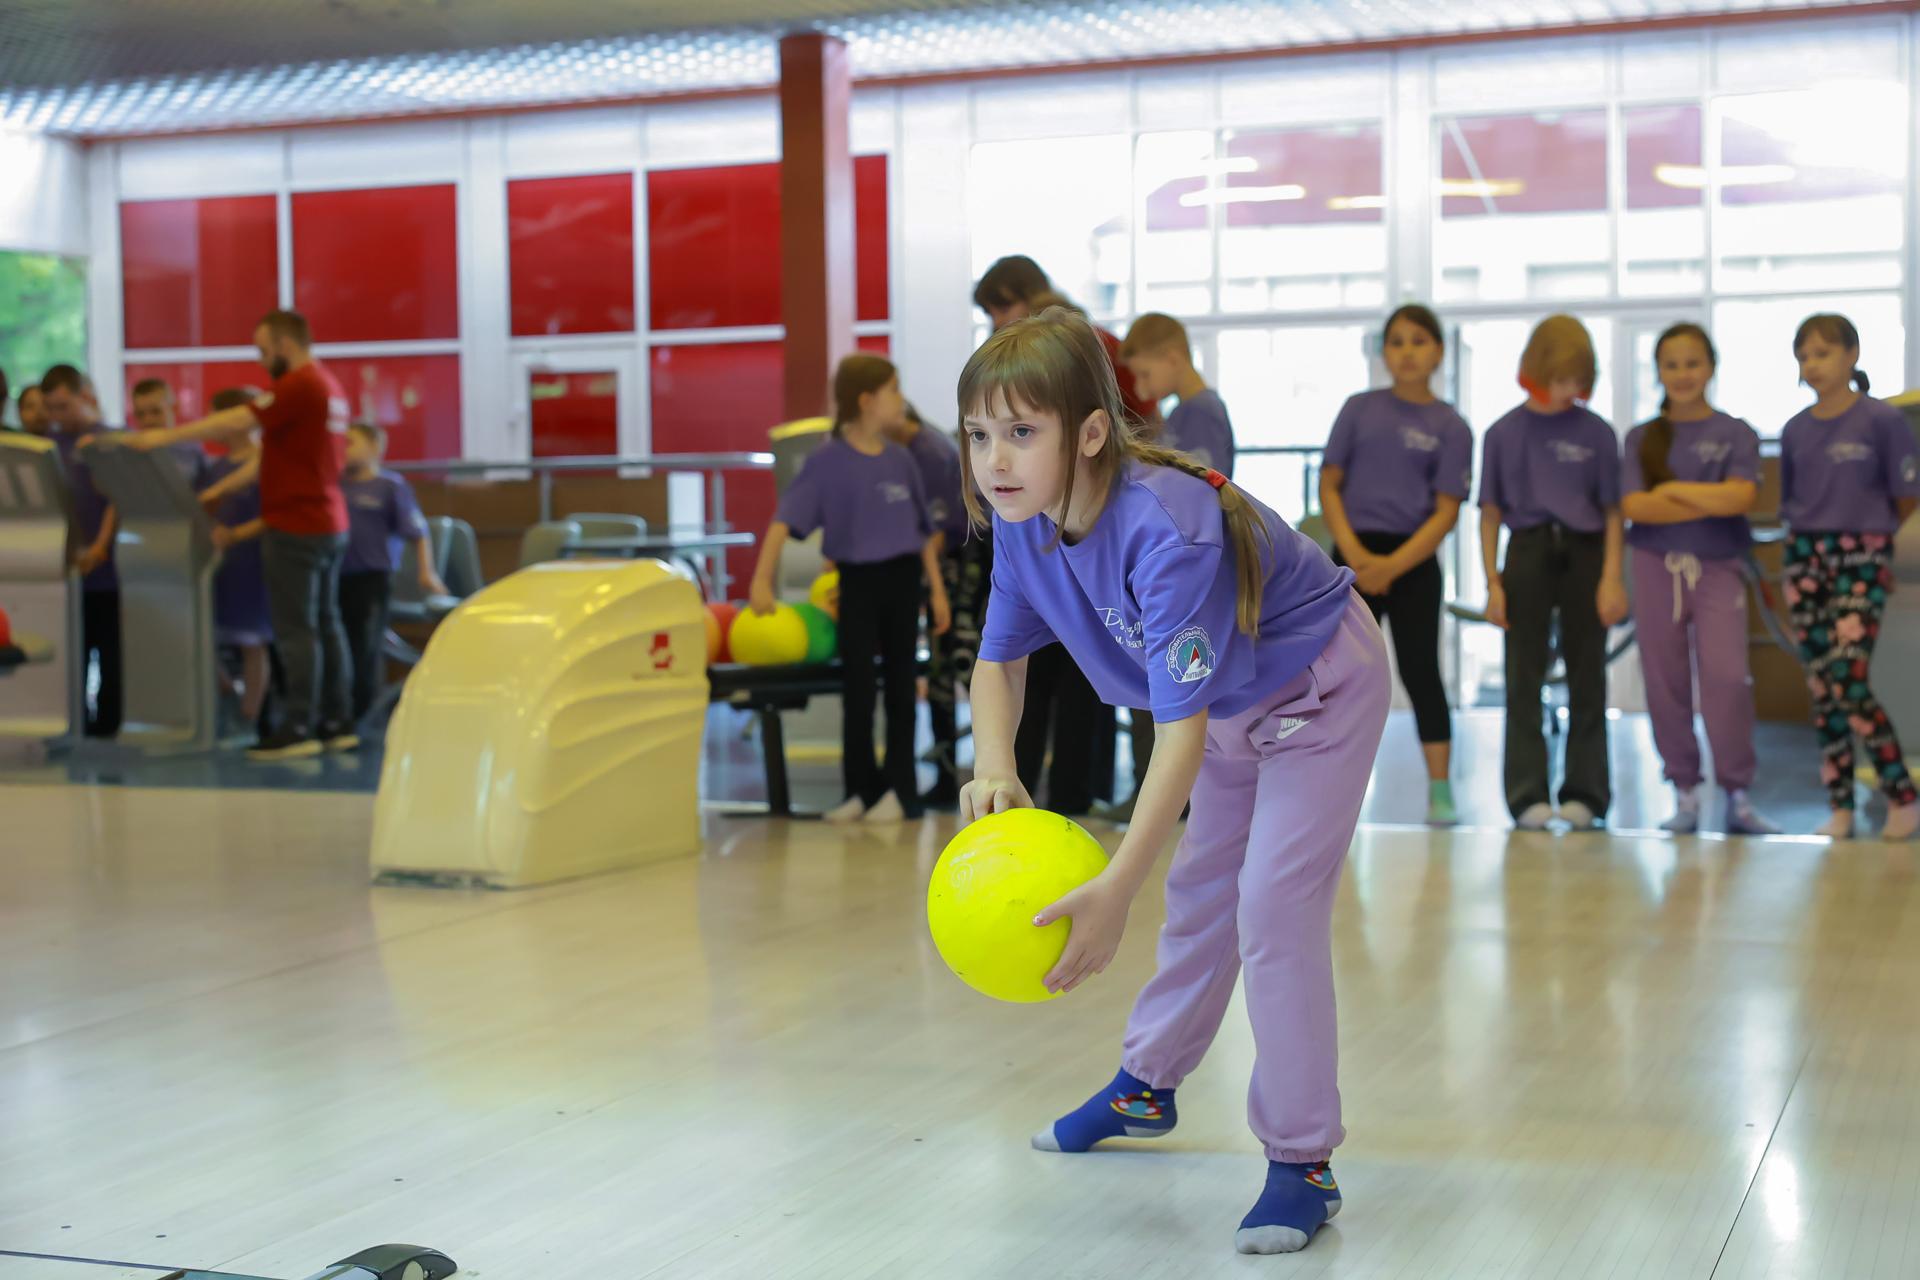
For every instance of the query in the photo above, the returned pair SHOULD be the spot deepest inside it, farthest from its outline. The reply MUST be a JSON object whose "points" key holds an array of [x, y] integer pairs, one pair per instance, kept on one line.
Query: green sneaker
{"points": [[1440, 810]]}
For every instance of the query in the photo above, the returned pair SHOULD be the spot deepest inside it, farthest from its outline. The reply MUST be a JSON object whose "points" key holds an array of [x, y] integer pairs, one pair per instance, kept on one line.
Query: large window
{"points": [[1522, 207], [1064, 203], [1305, 224], [43, 316], [1811, 186]]}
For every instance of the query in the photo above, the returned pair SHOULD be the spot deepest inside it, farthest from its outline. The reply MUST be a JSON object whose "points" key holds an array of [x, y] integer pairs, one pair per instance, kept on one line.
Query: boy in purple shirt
{"points": [[938, 458], [1550, 472], [382, 516], [1159, 355], [74, 415], [865, 493], [1689, 478], [1175, 590], [1395, 472], [242, 617], [1849, 477]]}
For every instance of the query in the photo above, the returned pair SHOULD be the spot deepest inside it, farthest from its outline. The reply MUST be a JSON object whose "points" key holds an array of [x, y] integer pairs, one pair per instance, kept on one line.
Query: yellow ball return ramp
{"points": [[551, 730]]}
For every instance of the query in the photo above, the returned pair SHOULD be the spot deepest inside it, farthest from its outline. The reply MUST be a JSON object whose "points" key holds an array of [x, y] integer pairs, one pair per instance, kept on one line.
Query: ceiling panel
{"points": [[107, 67]]}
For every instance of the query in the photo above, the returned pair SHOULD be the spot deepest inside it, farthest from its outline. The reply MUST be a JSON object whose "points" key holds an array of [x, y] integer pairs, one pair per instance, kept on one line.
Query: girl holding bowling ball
{"points": [[1268, 683]]}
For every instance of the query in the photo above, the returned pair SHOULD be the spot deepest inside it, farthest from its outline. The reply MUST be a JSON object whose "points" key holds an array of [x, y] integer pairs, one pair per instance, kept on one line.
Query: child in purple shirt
{"points": [[1159, 355], [938, 458], [242, 620], [1396, 470], [1550, 472], [1689, 477], [1173, 589], [382, 516], [1849, 477], [865, 493]]}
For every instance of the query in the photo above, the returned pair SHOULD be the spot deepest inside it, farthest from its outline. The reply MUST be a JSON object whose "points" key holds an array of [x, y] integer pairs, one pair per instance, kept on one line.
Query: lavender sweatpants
{"points": [[1252, 885], [1688, 613]]}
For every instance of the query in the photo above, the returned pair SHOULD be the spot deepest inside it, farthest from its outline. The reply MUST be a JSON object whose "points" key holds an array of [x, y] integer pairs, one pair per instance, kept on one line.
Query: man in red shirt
{"points": [[303, 435]]}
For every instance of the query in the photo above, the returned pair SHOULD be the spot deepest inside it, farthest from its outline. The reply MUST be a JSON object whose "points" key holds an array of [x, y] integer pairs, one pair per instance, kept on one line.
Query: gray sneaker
{"points": [[1534, 817], [1744, 820], [1578, 817]]}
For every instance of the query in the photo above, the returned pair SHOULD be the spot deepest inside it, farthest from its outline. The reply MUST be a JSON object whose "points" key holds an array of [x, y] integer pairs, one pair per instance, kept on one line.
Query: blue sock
{"points": [[1297, 1199], [1127, 1108]]}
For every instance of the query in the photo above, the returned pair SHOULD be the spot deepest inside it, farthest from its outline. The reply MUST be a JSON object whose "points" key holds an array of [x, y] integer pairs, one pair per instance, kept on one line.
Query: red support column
{"points": [[816, 217]]}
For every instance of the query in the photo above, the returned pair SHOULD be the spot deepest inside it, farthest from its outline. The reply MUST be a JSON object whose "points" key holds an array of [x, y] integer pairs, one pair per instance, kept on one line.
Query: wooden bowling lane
{"points": [[1573, 1056]]}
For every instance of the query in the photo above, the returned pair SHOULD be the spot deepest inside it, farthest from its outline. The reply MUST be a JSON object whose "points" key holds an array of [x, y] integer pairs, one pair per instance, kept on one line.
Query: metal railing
{"points": [[544, 469]]}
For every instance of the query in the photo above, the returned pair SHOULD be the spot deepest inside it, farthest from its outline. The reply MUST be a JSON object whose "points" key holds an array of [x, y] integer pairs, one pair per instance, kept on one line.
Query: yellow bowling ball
{"points": [[776, 640], [824, 594], [990, 882]]}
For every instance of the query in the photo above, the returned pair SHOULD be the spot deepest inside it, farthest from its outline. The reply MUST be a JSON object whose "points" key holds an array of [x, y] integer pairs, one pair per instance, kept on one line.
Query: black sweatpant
{"points": [[1411, 612], [943, 682], [366, 606], [879, 617], [1060, 704], [1551, 569], [100, 638]]}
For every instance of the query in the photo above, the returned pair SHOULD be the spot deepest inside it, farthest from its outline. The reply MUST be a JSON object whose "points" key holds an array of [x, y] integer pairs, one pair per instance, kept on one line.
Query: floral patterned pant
{"points": [[1837, 585]]}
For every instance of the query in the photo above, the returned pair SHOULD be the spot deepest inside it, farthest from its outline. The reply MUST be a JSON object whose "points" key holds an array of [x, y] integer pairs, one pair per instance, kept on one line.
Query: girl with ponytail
{"points": [[1267, 678], [1688, 480], [1849, 477]]}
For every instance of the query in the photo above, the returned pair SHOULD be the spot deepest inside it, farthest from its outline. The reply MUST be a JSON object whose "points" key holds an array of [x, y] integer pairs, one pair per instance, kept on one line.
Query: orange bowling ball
{"points": [[720, 616]]}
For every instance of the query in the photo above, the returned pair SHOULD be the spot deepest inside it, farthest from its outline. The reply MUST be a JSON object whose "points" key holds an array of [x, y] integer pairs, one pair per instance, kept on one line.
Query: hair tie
{"points": [[1215, 479]]}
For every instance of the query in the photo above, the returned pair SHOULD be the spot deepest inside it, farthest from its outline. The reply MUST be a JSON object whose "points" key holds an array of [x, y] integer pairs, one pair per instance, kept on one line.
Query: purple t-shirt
{"points": [[240, 613], [1843, 475], [938, 458], [1199, 425], [1146, 601], [1706, 452], [89, 504], [1538, 468], [873, 507], [1398, 457], [382, 517]]}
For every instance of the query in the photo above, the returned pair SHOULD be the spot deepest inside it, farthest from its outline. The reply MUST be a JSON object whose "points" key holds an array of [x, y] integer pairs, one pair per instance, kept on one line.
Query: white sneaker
{"points": [[852, 809], [1744, 820], [888, 810], [1686, 813], [1837, 827], [1535, 817], [1577, 816]]}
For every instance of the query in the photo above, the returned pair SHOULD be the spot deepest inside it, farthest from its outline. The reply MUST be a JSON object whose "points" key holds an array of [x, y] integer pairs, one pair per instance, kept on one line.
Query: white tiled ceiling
{"points": [[106, 67]]}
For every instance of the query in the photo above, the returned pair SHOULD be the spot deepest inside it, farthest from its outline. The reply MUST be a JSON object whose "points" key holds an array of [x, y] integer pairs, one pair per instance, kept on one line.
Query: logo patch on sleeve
{"points": [[1190, 656]]}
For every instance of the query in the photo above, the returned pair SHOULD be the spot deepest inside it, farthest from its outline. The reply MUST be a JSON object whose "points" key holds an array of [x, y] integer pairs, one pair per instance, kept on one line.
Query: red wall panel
{"points": [[722, 399], [377, 265], [415, 398], [713, 244], [197, 273], [570, 254]]}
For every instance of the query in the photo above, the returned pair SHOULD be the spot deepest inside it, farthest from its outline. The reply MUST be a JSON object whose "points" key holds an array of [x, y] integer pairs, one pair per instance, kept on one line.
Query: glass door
{"points": [[577, 402]]}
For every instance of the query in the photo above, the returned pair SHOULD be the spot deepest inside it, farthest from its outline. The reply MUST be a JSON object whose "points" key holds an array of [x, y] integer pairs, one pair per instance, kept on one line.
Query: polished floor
{"points": [[1787, 789], [1604, 1055]]}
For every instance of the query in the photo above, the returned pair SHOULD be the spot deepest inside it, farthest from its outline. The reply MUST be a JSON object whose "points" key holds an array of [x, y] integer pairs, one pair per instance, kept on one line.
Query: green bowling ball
{"points": [[823, 636]]}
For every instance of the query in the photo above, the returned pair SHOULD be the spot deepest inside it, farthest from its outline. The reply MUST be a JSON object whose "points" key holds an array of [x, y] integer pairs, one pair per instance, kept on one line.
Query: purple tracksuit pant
{"points": [[1690, 620], [1252, 886]]}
